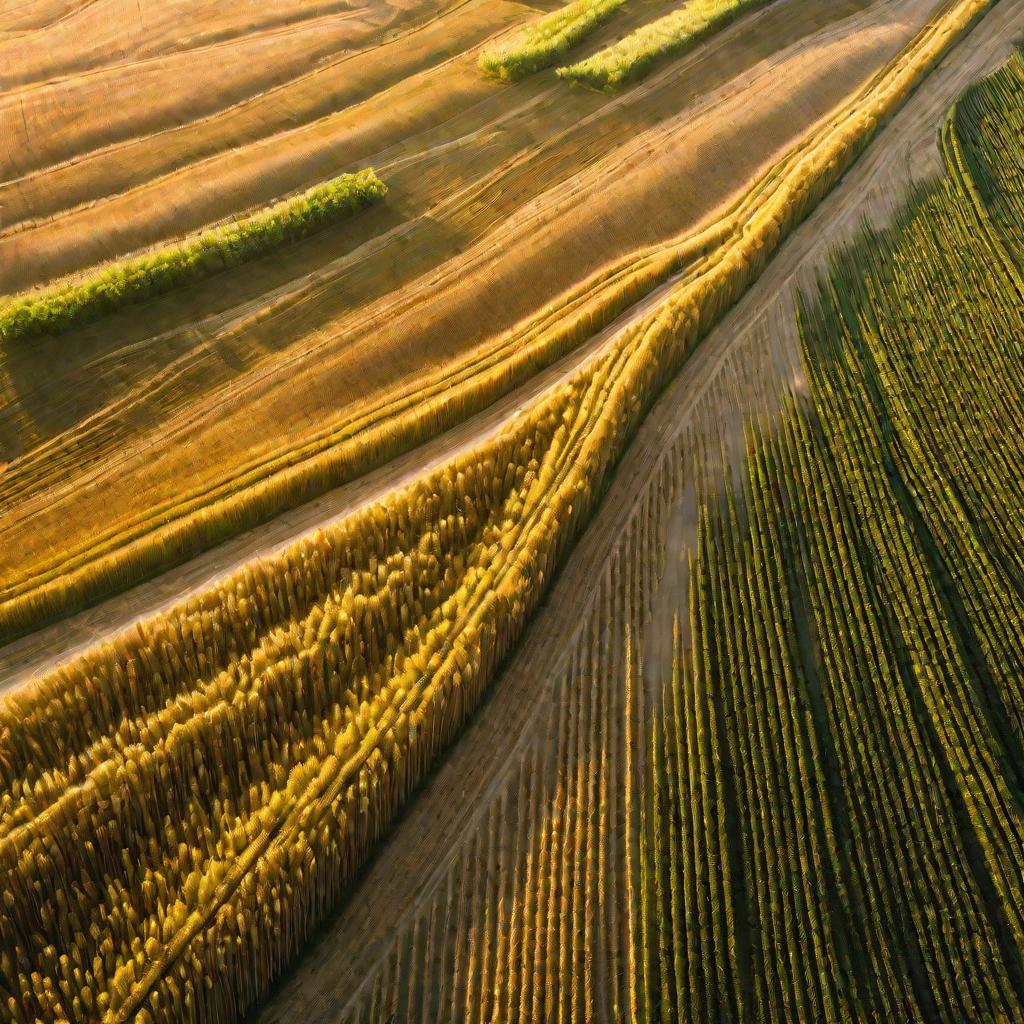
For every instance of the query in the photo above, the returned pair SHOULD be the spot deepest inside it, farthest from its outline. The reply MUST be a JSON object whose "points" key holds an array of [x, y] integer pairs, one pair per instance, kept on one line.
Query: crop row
{"points": [[135, 279], [531, 920], [182, 807], [805, 805], [545, 41], [671, 36], [853, 675]]}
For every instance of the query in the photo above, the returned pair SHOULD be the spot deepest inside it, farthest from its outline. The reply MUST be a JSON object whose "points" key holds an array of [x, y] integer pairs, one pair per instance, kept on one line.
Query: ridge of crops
{"points": [[779, 777], [135, 279], [674, 34], [854, 616], [545, 41]]}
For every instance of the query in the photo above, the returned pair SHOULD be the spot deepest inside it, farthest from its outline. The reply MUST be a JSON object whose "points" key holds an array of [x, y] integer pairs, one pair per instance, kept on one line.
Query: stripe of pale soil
{"points": [[195, 170], [454, 804], [70, 38], [661, 183]]}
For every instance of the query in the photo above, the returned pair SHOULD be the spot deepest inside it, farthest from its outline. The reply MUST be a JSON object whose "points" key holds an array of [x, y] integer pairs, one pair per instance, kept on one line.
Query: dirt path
{"points": [[742, 369]]}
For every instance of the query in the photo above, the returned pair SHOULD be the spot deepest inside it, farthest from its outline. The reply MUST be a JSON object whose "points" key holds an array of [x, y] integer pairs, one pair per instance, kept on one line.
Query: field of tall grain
{"points": [[783, 787], [731, 802]]}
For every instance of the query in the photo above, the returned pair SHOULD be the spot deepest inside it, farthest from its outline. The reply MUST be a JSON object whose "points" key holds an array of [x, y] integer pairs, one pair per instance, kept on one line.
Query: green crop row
{"points": [[135, 279], [671, 36], [544, 42], [847, 713]]}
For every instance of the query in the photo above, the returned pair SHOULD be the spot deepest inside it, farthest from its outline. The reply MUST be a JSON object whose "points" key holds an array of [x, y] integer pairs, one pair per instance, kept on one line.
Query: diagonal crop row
{"points": [[634, 56], [544, 42], [135, 279], [809, 808], [854, 616]]}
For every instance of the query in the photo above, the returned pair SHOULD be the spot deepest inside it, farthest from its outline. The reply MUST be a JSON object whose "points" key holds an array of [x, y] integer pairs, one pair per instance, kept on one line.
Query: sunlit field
{"points": [[512, 512]]}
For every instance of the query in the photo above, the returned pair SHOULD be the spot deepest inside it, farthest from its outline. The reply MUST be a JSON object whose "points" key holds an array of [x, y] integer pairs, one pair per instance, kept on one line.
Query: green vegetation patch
{"points": [[633, 57], [136, 279], [546, 41], [852, 689]]}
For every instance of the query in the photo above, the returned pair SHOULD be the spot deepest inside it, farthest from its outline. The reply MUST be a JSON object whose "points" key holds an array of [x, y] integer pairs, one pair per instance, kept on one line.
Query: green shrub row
{"points": [[136, 279], [546, 41], [633, 57]]}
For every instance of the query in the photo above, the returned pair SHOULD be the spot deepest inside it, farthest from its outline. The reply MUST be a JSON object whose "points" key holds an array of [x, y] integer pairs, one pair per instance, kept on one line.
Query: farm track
{"points": [[291, 353], [446, 884]]}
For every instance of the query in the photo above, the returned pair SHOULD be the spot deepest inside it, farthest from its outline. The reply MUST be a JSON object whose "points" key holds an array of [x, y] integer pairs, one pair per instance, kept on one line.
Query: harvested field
{"points": [[267, 367]]}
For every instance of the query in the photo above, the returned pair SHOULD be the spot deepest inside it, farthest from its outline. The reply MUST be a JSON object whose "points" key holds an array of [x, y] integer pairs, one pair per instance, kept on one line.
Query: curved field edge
{"points": [[337, 712], [170, 534], [135, 279], [670, 36], [368, 437]]}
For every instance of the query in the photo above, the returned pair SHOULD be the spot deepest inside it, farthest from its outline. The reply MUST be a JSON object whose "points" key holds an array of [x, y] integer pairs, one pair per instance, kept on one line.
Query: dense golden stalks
{"points": [[806, 754]]}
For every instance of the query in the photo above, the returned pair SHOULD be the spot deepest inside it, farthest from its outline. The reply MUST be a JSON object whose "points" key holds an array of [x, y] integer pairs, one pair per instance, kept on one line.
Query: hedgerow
{"points": [[135, 279], [671, 36], [546, 41]]}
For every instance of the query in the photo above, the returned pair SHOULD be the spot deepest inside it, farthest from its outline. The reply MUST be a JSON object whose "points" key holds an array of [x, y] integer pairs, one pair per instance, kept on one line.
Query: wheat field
{"points": [[479, 549]]}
